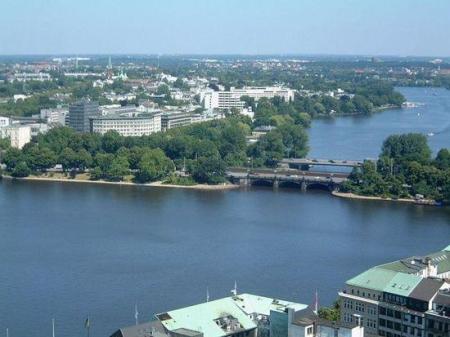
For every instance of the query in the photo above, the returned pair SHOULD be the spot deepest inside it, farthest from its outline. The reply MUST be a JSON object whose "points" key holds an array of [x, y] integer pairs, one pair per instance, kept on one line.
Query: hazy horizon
{"points": [[402, 28]]}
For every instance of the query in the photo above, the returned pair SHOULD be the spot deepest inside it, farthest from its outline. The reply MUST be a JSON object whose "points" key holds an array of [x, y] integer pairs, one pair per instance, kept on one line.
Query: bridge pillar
{"points": [[244, 181], [276, 183], [303, 186]]}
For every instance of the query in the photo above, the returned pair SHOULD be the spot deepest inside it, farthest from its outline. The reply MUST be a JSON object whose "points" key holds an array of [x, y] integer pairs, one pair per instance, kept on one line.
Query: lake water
{"points": [[72, 250]]}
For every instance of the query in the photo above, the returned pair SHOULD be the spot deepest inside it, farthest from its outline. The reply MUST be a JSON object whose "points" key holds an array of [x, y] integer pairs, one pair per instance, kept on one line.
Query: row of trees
{"points": [[203, 150], [405, 168]]}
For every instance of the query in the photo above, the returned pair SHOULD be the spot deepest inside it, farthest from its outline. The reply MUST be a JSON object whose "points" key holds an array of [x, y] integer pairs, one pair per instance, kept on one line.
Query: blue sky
{"points": [[370, 27]]}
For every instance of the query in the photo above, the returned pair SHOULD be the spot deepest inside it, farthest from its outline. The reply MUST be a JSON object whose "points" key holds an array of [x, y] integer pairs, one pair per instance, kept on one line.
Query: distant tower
{"points": [[76, 62], [109, 69]]}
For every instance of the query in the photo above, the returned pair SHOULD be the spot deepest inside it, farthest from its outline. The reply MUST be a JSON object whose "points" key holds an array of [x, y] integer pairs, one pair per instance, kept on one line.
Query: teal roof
{"points": [[402, 284], [375, 279], [401, 277], [202, 317]]}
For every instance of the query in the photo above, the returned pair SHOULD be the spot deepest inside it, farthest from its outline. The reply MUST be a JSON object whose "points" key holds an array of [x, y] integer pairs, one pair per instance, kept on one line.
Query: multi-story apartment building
{"points": [[18, 134], [396, 299], [173, 120], [80, 114], [265, 92], [232, 99], [437, 320], [129, 126]]}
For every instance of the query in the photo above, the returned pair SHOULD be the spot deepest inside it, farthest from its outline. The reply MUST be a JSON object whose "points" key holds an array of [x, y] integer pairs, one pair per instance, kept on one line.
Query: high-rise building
{"points": [[405, 298], [80, 113]]}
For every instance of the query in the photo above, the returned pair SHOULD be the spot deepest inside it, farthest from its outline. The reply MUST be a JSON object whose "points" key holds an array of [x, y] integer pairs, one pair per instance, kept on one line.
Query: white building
{"points": [[128, 126], [25, 77], [265, 92], [18, 134], [232, 99], [54, 116]]}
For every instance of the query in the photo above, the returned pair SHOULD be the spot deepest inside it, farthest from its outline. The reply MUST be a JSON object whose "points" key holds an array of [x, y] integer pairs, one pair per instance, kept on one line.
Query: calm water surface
{"points": [[69, 250]]}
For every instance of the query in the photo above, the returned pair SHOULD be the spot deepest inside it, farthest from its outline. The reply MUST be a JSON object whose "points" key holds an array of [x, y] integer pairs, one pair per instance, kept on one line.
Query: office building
{"points": [[128, 126], [173, 120], [231, 99], [401, 299], [80, 114]]}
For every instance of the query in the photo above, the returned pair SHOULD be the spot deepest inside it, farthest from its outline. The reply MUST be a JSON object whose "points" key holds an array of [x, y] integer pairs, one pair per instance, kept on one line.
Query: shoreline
{"points": [[200, 187], [353, 196], [204, 187]]}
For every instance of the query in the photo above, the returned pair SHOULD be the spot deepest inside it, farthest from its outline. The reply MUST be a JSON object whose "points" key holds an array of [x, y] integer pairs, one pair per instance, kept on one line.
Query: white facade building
{"points": [[54, 116], [25, 77], [18, 134], [232, 99], [127, 126]]}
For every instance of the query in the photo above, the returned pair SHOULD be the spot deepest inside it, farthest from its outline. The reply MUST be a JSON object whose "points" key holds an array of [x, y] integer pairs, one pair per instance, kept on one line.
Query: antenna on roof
{"points": [[234, 290], [136, 314], [207, 294], [316, 302]]}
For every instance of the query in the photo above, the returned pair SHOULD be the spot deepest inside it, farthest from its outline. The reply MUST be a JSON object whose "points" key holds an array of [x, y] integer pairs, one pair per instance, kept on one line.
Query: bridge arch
{"points": [[319, 186], [290, 184], [261, 182]]}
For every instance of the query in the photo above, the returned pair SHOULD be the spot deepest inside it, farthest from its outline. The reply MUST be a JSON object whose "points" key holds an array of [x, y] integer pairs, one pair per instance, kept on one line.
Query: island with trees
{"points": [[404, 170]]}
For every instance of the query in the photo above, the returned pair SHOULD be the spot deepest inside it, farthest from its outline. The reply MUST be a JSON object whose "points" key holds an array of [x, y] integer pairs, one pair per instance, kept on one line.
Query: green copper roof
{"points": [[375, 279], [401, 277], [402, 284], [202, 317]]}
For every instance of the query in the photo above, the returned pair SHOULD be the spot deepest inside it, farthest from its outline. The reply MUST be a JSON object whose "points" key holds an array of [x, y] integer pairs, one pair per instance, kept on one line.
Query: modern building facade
{"points": [[173, 120], [402, 298], [80, 114], [128, 126], [227, 100], [18, 134]]}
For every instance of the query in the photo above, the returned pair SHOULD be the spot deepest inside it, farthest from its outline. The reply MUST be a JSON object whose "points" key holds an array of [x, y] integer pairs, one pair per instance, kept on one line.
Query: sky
{"points": [[362, 27]]}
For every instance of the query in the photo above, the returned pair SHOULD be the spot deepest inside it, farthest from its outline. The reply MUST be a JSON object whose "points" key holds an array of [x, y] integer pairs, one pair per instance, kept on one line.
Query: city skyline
{"points": [[404, 28]]}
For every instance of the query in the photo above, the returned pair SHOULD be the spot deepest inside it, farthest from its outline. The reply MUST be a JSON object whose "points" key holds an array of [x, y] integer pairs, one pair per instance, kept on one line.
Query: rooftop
{"points": [[223, 316], [411, 277]]}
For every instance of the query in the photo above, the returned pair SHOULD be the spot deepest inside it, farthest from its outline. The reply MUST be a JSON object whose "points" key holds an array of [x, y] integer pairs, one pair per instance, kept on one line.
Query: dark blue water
{"points": [[69, 250]]}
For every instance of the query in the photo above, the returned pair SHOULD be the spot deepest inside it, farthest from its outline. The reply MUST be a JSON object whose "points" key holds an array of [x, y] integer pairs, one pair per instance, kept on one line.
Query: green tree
{"points": [[442, 160], [118, 169], [154, 165], [39, 158], [208, 170], [21, 170], [407, 147], [11, 158]]}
